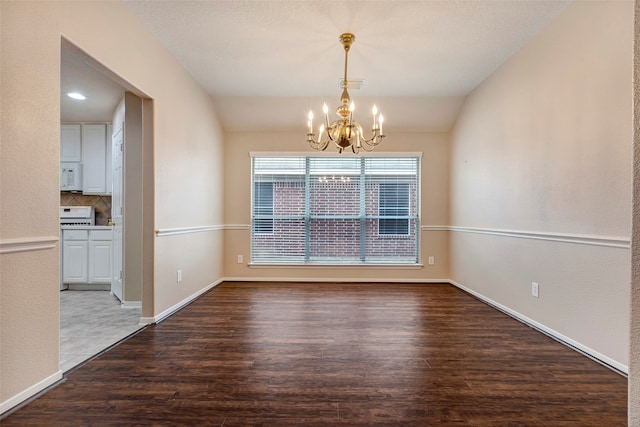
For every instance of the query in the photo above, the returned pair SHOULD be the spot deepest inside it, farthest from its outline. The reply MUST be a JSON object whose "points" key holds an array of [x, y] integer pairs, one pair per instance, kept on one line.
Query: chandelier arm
{"points": [[369, 146], [374, 141], [317, 145]]}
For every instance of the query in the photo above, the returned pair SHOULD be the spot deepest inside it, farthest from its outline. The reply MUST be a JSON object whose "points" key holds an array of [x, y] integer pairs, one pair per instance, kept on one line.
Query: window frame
{"points": [[301, 170]]}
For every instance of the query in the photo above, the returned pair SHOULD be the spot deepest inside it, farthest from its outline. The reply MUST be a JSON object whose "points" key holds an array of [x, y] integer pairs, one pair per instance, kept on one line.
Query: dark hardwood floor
{"points": [[327, 354]]}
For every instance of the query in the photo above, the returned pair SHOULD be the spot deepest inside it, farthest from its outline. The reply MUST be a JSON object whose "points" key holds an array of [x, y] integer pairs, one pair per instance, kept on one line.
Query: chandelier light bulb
{"points": [[374, 110], [352, 106], [325, 109]]}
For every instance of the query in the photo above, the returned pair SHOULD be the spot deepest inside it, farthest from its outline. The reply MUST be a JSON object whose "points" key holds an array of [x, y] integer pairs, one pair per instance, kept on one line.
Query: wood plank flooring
{"points": [[327, 354]]}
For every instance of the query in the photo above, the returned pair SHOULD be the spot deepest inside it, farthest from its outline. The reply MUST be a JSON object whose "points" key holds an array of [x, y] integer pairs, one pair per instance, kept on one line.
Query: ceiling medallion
{"points": [[345, 132]]}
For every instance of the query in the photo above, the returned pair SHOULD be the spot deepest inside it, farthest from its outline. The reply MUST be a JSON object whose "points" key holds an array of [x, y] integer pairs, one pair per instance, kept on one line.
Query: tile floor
{"points": [[91, 321]]}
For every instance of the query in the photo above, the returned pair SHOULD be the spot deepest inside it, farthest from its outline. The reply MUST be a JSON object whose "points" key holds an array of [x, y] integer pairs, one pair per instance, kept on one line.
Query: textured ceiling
{"points": [[273, 60], [291, 48]]}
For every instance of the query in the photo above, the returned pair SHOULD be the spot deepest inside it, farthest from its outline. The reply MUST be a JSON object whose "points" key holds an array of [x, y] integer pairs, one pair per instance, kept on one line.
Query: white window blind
{"points": [[350, 210]]}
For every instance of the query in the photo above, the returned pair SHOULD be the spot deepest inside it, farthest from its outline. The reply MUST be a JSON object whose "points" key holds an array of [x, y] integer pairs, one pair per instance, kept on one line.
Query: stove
{"points": [[77, 215]]}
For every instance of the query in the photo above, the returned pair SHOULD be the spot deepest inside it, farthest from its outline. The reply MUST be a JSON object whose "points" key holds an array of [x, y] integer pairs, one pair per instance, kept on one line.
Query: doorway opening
{"points": [[97, 311]]}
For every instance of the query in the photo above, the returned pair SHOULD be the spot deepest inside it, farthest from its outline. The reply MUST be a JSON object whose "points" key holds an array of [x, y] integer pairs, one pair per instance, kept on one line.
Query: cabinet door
{"points": [[70, 143], [109, 168], [100, 261], [74, 261], [94, 159]]}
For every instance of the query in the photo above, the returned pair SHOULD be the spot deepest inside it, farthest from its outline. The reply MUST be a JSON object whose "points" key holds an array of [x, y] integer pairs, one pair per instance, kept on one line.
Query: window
{"points": [[349, 210], [393, 201]]}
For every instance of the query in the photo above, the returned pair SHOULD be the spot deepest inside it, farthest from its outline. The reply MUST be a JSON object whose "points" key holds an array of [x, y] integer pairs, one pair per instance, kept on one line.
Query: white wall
{"points": [[186, 160], [541, 154], [434, 207]]}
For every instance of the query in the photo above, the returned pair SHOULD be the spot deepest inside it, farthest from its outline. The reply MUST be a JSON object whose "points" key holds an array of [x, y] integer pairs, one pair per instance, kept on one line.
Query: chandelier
{"points": [[345, 132]]}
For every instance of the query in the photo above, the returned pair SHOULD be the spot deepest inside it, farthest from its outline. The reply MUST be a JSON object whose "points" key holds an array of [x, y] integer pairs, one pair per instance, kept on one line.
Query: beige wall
{"points": [[541, 167], [434, 207], [187, 158]]}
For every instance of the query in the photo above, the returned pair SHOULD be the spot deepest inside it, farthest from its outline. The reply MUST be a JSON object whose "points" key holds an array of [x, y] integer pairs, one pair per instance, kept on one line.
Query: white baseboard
{"points": [[587, 351], [29, 392], [88, 287], [131, 304], [329, 279], [168, 312]]}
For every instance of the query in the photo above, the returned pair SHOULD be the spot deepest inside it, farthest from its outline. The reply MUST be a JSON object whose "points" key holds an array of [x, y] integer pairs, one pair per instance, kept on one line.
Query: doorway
{"points": [[93, 319]]}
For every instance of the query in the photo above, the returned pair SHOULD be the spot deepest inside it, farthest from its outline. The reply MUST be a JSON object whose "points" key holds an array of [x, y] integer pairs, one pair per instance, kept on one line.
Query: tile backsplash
{"points": [[101, 204]]}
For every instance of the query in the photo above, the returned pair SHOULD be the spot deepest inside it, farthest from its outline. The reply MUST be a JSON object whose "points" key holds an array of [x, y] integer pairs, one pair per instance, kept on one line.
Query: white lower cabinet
{"points": [[100, 256], [86, 256], [75, 261]]}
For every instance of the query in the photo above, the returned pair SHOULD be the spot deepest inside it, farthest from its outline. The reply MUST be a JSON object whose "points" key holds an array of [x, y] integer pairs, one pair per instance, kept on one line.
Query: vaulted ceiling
{"points": [[266, 63]]}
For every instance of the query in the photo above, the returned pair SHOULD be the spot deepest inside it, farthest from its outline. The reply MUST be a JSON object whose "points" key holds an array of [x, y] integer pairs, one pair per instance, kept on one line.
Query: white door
{"points": [[117, 210]]}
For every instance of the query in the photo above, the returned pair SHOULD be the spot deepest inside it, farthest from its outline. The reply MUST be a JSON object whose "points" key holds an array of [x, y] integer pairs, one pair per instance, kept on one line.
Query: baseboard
{"points": [[131, 304], [88, 287], [30, 392], [168, 312], [329, 279], [587, 351]]}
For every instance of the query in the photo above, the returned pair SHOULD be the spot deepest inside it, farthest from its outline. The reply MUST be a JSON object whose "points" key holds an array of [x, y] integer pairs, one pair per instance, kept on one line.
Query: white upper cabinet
{"points": [[89, 146], [70, 144], [109, 167], [94, 159]]}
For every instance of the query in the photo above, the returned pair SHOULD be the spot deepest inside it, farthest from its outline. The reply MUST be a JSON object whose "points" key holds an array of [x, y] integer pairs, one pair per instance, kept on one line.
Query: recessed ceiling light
{"points": [[76, 95]]}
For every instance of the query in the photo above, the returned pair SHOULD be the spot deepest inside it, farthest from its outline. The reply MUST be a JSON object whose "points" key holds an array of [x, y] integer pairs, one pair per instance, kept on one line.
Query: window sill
{"points": [[323, 265]]}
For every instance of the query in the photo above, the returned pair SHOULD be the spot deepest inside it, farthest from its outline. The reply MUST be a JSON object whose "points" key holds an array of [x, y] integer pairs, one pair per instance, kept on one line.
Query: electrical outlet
{"points": [[432, 260], [179, 276], [240, 259], [535, 289]]}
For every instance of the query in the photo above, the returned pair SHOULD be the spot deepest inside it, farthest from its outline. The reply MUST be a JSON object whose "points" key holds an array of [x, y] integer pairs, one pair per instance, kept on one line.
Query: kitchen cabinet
{"points": [[94, 159], [86, 148], [75, 256], [86, 255], [70, 143], [109, 161], [100, 256]]}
